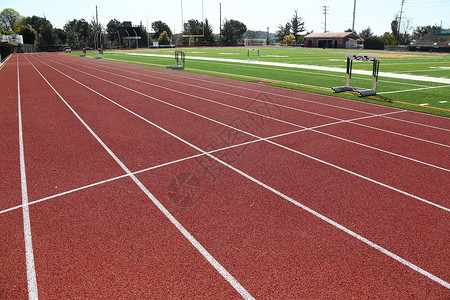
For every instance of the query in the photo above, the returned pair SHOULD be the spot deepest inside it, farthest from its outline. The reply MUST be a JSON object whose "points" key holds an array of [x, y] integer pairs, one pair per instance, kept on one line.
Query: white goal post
{"points": [[255, 42]]}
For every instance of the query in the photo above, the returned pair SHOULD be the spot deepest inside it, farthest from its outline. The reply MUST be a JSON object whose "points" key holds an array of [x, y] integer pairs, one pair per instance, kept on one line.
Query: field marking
{"points": [[29, 255], [272, 118], [269, 188], [247, 133], [219, 268], [308, 67], [413, 90]]}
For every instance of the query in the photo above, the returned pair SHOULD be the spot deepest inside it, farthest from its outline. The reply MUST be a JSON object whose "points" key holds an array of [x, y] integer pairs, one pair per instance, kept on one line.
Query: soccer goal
{"points": [[255, 42], [361, 91]]}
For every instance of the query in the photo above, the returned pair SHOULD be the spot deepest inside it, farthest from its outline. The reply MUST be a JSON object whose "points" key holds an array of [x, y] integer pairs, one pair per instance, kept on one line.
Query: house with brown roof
{"points": [[347, 40]]}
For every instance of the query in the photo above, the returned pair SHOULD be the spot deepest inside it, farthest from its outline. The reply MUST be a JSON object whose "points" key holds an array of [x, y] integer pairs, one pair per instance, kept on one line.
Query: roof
{"points": [[329, 35], [8, 44]]}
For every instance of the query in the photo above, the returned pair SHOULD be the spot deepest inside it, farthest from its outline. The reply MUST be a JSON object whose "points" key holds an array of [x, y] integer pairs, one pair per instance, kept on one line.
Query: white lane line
{"points": [[29, 255], [278, 95], [309, 67], [220, 269], [317, 214], [252, 135], [275, 119], [195, 156], [443, 101], [414, 90]]}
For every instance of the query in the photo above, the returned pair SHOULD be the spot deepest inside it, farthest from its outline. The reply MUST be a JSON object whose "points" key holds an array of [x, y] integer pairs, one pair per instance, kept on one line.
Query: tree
{"points": [[232, 32], [111, 31], [29, 34], [164, 38], [373, 42], [283, 31], [389, 39], [9, 19], [289, 39], [209, 37], [366, 33], [62, 35], [158, 28], [297, 26], [78, 33], [47, 35]]}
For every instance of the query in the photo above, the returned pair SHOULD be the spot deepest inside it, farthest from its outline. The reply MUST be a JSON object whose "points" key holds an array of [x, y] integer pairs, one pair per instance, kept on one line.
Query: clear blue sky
{"points": [[257, 15]]}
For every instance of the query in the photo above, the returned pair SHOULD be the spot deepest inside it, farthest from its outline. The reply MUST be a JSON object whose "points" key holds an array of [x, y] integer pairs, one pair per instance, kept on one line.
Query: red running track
{"points": [[149, 183]]}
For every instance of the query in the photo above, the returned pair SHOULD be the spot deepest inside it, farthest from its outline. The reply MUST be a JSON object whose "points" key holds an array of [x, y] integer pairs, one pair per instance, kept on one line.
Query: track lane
{"points": [[211, 260], [394, 146], [339, 290], [275, 249], [110, 241], [411, 184], [59, 153], [10, 192]]}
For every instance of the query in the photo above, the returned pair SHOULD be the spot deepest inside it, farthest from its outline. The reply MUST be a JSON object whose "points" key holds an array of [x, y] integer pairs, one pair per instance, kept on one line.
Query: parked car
{"points": [[68, 50]]}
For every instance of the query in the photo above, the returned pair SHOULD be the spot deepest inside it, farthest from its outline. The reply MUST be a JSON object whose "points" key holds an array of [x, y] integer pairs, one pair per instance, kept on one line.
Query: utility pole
{"points": [[220, 24], [325, 12], [354, 12], [96, 28], [400, 19]]}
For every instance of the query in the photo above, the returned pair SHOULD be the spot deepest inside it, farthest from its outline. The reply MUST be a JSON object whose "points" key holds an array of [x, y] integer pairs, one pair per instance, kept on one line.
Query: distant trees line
{"points": [[80, 33]]}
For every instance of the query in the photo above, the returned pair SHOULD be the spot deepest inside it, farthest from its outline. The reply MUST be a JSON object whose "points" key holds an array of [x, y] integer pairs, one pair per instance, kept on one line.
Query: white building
{"points": [[12, 38]]}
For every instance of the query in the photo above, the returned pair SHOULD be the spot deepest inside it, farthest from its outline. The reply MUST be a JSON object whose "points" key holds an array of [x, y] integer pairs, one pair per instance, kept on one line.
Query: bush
{"points": [[374, 43]]}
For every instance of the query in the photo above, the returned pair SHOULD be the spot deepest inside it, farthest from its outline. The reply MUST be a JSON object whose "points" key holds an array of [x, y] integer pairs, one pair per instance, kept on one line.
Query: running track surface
{"points": [[123, 181]]}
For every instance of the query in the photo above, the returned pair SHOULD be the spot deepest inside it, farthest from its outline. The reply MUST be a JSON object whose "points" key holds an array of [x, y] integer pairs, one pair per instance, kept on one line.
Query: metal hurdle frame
{"points": [[180, 57], [361, 91], [248, 54]]}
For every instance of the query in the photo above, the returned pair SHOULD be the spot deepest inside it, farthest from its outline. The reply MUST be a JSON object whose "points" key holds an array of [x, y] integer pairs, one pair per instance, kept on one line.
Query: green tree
{"points": [[209, 37], [111, 31], [283, 31], [164, 39], [366, 33], [78, 33], [62, 35], [232, 32], [9, 19], [29, 34], [389, 39], [297, 26], [47, 35], [374, 42], [158, 28], [422, 31]]}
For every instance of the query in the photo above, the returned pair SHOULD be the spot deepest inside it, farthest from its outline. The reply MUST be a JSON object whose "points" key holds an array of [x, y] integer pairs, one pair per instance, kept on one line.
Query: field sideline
{"points": [[424, 96]]}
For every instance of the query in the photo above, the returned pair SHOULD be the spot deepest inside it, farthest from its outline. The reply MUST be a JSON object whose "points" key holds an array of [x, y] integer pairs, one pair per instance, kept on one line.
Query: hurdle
{"points": [[179, 61], [252, 50], [361, 91]]}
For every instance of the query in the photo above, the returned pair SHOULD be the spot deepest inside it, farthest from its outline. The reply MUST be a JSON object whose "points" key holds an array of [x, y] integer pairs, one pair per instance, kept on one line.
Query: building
{"points": [[347, 40]]}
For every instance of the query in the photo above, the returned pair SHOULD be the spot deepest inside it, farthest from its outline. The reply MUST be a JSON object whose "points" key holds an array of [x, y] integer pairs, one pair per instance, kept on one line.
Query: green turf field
{"points": [[424, 96]]}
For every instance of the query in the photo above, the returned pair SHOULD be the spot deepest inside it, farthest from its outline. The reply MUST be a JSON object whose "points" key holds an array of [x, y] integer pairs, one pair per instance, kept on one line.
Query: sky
{"points": [[256, 14]]}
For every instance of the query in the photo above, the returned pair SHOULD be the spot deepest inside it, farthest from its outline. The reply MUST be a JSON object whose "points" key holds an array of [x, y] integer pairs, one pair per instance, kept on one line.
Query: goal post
{"points": [[348, 76]]}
